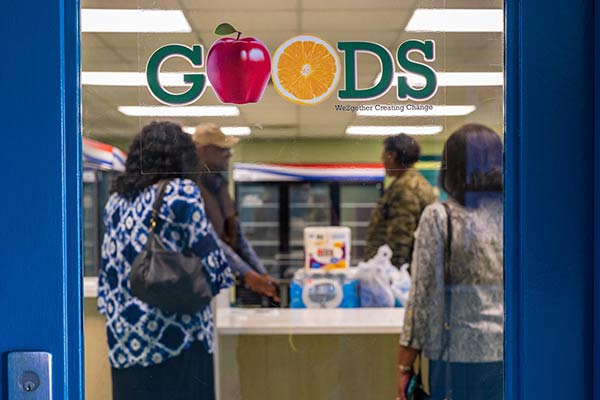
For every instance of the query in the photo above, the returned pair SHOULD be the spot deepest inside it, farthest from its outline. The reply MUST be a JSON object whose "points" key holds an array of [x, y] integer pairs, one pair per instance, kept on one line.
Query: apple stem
{"points": [[238, 35]]}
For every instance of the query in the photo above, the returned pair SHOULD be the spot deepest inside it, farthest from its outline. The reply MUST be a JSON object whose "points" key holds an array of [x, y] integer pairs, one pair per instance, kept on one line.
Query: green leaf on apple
{"points": [[225, 29]]}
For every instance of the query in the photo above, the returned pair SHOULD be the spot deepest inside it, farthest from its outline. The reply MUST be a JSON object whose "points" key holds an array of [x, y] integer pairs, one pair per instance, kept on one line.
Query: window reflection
{"points": [[290, 327]]}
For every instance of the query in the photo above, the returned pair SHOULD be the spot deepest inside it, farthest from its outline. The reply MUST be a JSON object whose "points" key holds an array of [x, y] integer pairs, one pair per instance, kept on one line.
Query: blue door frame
{"points": [[550, 195], [596, 376]]}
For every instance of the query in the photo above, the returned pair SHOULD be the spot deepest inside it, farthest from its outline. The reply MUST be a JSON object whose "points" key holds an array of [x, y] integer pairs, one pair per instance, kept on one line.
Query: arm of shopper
{"points": [[406, 358], [238, 266], [425, 300], [259, 283], [247, 252], [188, 210]]}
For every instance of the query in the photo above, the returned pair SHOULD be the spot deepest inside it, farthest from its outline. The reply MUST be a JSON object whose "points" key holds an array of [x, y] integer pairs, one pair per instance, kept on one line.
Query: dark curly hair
{"points": [[407, 149], [472, 162], [161, 150]]}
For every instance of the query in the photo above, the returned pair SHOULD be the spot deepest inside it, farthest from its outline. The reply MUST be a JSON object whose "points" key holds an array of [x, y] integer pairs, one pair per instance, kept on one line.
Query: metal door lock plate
{"points": [[30, 375]]}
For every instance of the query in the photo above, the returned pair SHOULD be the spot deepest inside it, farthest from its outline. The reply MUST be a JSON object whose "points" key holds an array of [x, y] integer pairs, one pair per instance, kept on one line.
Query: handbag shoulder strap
{"points": [[160, 195], [448, 245], [447, 300]]}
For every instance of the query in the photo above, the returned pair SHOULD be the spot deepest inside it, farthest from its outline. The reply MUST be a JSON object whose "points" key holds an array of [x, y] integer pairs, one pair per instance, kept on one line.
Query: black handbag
{"points": [[168, 280]]}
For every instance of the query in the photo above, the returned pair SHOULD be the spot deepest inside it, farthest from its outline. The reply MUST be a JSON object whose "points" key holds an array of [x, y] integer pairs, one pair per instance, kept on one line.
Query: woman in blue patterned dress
{"points": [[155, 354]]}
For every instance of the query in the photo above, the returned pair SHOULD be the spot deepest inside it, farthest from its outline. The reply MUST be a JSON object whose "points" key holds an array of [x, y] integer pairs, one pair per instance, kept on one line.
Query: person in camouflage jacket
{"points": [[396, 216]]}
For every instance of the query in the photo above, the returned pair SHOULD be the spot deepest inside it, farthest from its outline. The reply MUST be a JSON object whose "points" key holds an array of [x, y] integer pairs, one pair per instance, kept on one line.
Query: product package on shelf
{"points": [[327, 248]]}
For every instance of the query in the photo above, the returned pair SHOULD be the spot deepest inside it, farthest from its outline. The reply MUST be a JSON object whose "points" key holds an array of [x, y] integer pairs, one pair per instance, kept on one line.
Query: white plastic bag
{"points": [[375, 280], [401, 285]]}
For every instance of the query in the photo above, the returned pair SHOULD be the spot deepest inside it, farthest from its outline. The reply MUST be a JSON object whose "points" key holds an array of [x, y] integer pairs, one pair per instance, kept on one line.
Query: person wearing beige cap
{"points": [[214, 151]]}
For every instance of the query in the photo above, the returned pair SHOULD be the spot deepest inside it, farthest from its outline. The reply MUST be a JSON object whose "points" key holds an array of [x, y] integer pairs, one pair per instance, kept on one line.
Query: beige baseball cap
{"points": [[206, 134]]}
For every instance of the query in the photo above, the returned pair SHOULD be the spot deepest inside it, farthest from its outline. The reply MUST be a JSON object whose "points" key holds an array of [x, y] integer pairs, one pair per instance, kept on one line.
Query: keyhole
{"points": [[29, 381]]}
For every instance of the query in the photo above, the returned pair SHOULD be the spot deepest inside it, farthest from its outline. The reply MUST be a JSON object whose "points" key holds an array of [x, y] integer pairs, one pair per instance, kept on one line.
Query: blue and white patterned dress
{"points": [[139, 334]]}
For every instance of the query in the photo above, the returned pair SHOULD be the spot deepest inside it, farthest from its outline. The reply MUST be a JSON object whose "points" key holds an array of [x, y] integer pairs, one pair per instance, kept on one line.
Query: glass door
{"points": [[315, 103], [42, 209]]}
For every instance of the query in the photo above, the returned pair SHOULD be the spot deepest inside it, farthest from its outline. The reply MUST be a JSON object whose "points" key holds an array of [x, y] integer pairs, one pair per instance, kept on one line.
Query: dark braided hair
{"points": [[160, 151]]}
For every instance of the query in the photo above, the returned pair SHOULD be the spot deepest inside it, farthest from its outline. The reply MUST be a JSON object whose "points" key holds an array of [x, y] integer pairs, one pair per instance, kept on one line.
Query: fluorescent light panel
{"points": [[124, 21], [188, 111], [392, 130], [436, 111], [227, 130], [131, 79], [456, 20]]}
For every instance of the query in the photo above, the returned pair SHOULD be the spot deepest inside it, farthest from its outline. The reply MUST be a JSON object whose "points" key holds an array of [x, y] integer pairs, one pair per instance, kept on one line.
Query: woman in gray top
{"points": [[472, 341]]}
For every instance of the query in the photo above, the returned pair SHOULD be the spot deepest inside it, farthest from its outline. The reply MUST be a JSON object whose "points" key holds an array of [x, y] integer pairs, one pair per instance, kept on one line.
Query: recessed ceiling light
{"points": [[392, 130], [452, 79], [188, 111], [415, 110], [102, 78], [227, 130], [456, 20], [123, 21]]}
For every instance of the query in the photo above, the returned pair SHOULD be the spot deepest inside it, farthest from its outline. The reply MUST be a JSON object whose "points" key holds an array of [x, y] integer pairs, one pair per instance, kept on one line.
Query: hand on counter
{"points": [[261, 284]]}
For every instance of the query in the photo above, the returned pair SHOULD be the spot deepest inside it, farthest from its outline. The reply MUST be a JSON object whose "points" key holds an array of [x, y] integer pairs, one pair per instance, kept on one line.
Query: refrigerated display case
{"points": [[101, 163], [277, 201]]}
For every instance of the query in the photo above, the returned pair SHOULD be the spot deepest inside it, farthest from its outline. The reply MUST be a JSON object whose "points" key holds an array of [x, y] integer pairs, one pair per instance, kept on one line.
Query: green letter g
{"points": [[198, 81]]}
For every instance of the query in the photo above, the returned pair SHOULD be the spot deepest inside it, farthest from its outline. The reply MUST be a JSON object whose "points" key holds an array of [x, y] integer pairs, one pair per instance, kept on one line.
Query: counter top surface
{"points": [[240, 321], [285, 321]]}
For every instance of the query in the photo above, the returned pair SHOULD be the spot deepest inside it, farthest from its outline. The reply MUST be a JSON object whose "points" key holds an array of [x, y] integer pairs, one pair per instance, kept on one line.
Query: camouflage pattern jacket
{"points": [[397, 214]]}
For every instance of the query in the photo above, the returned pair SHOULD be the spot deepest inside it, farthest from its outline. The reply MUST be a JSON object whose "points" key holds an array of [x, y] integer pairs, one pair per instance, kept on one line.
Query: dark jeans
{"points": [[188, 376], [470, 381]]}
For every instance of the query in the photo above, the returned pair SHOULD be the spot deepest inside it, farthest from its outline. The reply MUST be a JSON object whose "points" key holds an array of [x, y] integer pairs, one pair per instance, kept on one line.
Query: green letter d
{"points": [[351, 92]]}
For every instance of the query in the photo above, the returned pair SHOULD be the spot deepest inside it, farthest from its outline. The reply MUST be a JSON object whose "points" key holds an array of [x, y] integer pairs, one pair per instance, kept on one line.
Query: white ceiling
{"points": [[274, 21]]}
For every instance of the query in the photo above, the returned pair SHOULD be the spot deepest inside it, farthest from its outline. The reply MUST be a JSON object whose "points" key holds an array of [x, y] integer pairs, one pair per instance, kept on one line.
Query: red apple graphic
{"points": [[238, 69]]}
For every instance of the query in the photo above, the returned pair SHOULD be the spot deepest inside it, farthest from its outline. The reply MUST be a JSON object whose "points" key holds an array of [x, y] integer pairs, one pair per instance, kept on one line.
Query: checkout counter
{"points": [[299, 354]]}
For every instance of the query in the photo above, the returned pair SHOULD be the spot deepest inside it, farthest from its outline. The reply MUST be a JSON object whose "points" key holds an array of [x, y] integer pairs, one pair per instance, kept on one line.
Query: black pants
{"points": [[469, 381], [190, 375]]}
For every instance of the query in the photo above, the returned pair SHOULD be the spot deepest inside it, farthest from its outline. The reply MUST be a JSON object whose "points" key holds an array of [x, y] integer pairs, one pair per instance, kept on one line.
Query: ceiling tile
{"points": [[225, 6], [358, 4], [326, 21], [248, 22]]}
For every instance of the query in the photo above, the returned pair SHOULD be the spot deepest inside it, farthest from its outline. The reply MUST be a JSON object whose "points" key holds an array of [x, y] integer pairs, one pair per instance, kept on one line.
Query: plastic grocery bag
{"points": [[401, 285], [375, 288]]}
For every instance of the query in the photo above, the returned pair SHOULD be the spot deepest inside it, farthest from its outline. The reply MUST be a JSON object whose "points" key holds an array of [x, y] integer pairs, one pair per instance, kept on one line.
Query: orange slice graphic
{"points": [[305, 70]]}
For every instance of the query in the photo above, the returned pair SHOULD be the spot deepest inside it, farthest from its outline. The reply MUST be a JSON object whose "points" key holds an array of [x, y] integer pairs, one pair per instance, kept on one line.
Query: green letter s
{"points": [[198, 81], [427, 48], [351, 92]]}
